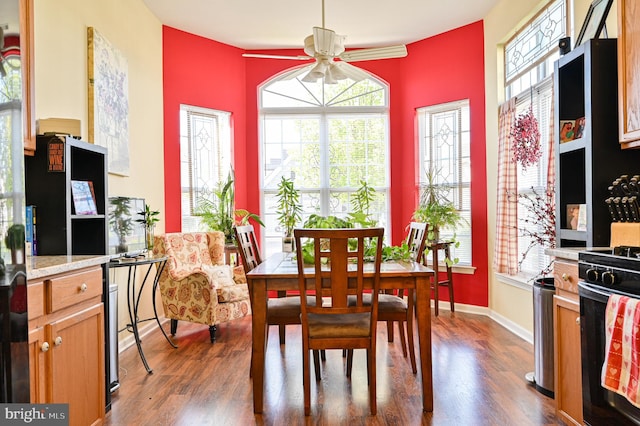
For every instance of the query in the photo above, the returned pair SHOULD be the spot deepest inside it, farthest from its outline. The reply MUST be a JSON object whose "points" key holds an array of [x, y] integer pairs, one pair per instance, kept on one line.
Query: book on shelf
{"points": [[84, 200], [31, 247]]}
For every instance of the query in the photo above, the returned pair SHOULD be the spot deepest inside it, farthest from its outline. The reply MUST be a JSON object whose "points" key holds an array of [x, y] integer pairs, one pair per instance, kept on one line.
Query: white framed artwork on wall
{"points": [[108, 88]]}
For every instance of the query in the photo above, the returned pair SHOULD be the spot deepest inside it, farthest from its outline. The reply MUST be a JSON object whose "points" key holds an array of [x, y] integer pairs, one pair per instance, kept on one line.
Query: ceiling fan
{"points": [[324, 45]]}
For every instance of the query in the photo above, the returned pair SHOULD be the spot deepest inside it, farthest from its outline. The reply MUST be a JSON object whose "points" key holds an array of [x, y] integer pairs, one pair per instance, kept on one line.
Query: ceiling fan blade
{"points": [[388, 52], [260, 55], [352, 72]]}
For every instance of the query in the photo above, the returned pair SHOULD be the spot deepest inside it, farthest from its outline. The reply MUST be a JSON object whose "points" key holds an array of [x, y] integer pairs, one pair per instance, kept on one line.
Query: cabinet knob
{"points": [[83, 287], [58, 341], [565, 277], [578, 320], [44, 347]]}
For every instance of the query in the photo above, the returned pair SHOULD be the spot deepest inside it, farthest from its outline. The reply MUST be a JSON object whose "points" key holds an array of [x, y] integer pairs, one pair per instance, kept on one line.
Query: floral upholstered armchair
{"points": [[196, 285]]}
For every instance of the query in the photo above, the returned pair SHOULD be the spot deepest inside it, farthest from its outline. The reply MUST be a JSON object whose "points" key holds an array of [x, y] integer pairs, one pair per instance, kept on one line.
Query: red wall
{"points": [[439, 69]]}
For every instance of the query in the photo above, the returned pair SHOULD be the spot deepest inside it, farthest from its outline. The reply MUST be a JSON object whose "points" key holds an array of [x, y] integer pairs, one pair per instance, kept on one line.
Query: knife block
{"points": [[625, 234]]}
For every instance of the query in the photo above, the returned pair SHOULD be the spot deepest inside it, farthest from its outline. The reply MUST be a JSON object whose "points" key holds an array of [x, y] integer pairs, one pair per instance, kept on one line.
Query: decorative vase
{"points": [[149, 236], [288, 244]]}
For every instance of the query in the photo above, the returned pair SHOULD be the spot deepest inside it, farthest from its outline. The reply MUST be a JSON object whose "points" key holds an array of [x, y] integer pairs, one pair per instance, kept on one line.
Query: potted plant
{"points": [[120, 221], [15, 241], [149, 220], [218, 213], [360, 204], [435, 209], [289, 211]]}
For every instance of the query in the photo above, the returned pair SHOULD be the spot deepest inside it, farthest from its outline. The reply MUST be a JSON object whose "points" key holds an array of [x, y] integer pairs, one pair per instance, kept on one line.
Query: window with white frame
{"points": [[205, 157], [529, 57], [445, 143], [329, 138]]}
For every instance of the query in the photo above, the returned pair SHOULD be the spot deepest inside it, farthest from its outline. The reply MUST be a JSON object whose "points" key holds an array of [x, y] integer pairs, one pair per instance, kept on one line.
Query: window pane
{"points": [[205, 157], [328, 138], [444, 132]]}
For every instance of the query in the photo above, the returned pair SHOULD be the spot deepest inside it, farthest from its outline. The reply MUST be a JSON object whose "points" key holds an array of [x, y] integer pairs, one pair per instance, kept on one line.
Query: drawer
{"points": [[35, 298], [565, 275], [67, 290]]}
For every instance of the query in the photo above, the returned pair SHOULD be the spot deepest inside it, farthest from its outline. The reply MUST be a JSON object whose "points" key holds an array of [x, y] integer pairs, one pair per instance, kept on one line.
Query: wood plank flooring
{"points": [[478, 373]]}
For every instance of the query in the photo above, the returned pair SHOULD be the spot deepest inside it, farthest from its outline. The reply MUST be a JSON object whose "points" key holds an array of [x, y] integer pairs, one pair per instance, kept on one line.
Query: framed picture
{"points": [[594, 22], [578, 128], [108, 100], [573, 213], [566, 130]]}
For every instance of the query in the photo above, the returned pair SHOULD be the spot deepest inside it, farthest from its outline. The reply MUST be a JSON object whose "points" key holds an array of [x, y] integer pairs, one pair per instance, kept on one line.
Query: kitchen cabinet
{"points": [[48, 187], [629, 73], [567, 364], [66, 343], [585, 84]]}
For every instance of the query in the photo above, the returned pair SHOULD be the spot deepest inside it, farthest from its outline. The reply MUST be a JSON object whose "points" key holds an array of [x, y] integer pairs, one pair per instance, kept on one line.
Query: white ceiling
{"points": [[276, 24]]}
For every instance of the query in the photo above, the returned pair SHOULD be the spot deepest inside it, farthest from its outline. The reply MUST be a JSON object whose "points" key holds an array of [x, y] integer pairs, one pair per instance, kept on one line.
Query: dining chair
{"points": [[282, 310], [398, 308], [338, 272]]}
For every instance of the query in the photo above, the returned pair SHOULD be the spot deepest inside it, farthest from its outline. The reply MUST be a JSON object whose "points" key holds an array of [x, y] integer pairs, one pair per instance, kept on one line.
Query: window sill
{"points": [[457, 269], [522, 281]]}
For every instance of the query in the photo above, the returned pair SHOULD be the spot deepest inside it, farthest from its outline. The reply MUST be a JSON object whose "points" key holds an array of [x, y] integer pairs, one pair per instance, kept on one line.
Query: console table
{"points": [[133, 295]]}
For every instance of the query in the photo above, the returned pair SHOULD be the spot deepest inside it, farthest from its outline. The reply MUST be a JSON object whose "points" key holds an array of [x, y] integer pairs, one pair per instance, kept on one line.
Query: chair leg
{"points": [[174, 326], [436, 298], [323, 355], [282, 333], [403, 339], [212, 333], [306, 379], [349, 362], [316, 364], [371, 368], [412, 350], [390, 331]]}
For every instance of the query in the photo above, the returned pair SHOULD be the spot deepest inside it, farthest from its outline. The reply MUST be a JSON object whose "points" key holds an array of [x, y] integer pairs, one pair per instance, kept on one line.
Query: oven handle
{"points": [[582, 285]]}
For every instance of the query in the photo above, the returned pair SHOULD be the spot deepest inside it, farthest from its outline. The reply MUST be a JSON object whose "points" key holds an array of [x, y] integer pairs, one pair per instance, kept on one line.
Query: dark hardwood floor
{"points": [[478, 373]]}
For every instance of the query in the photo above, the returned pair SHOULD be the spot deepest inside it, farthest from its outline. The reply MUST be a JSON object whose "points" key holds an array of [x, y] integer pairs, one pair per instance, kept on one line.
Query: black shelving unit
{"points": [[58, 230], [585, 85]]}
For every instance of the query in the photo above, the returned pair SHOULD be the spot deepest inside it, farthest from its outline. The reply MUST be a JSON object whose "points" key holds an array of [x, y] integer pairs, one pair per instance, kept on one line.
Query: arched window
{"points": [[329, 138]]}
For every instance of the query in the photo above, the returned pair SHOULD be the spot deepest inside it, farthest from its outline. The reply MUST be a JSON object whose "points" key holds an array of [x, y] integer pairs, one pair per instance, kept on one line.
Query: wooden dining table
{"points": [[280, 273]]}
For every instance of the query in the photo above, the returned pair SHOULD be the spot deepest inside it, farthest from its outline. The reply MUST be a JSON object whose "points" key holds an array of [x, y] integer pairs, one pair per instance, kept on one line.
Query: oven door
{"points": [[600, 406]]}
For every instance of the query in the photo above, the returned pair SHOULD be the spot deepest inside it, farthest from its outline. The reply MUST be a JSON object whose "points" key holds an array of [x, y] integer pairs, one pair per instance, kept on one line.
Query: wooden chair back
{"points": [[339, 268], [248, 247], [417, 240]]}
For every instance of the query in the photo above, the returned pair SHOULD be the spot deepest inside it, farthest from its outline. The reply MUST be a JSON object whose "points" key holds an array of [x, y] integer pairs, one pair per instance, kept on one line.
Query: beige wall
{"points": [[511, 303], [61, 89]]}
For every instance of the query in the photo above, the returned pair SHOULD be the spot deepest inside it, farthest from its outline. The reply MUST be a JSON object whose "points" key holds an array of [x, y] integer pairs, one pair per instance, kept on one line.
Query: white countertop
{"points": [[569, 253], [42, 266]]}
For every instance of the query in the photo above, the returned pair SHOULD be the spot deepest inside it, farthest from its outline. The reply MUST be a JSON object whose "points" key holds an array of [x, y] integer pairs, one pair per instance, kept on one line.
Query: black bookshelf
{"points": [[585, 85]]}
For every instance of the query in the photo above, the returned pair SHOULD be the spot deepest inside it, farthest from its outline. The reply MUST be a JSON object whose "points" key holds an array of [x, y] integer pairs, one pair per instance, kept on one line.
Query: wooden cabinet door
{"points": [[38, 348], [77, 373], [568, 370], [629, 73]]}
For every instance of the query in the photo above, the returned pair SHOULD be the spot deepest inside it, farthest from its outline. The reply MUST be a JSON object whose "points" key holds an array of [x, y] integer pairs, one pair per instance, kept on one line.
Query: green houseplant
{"points": [[435, 209], [289, 211], [149, 220], [218, 213], [120, 221], [15, 241]]}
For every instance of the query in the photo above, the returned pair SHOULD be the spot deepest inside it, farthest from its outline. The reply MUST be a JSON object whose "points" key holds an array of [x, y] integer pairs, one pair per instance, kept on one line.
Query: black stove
{"points": [[616, 268]]}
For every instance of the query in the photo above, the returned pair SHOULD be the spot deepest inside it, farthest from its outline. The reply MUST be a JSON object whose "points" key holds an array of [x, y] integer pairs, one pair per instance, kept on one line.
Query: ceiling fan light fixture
{"points": [[336, 72]]}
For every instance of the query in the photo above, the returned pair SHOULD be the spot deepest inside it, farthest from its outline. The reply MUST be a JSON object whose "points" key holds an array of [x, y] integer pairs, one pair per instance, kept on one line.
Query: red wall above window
{"points": [[444, 68]]}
